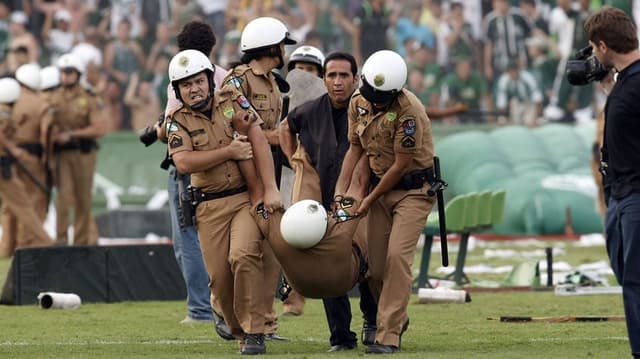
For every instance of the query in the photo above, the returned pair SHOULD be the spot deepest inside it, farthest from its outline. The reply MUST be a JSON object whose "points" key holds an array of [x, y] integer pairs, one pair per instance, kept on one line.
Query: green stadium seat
{"points": [[498, 199]]}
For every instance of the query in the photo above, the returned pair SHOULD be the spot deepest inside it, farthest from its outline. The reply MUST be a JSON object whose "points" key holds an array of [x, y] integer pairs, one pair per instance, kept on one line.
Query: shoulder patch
{"points": [[409, 126], [408, 142], [361, 111], [391, 116], [235, 81], [171, 127], [242, 101], [228, 112], [175, 141]]}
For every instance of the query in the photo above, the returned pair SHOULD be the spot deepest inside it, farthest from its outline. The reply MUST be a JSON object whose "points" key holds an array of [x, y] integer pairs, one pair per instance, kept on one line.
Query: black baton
{"points": [[436, 189]]}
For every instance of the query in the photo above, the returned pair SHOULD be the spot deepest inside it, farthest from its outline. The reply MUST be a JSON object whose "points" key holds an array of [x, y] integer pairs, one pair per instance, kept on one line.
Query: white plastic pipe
{"points": [[442, 295], [53, 300]]}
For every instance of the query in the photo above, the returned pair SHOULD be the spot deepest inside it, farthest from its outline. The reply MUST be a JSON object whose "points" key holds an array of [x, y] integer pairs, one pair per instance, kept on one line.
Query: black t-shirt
{"points": [[323, 133], [621, 148]]}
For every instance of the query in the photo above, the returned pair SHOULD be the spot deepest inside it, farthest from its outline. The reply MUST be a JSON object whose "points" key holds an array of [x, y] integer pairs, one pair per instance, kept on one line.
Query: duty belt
{"points": [[199, 196], [82, 145], [411, 180], [33, 148]]}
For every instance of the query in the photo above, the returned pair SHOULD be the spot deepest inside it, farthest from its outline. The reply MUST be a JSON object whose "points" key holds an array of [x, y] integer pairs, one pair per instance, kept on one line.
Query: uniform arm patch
{"points": [[175, 141], [408, 142]]}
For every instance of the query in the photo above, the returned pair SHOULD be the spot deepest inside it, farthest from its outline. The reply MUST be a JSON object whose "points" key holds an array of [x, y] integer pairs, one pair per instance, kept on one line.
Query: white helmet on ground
{"points": [[71, 61], [308, 54], [304, 224], [384, 74], [9, 90], [264, 32], [187, 63], [49, 78], [29, 76]]}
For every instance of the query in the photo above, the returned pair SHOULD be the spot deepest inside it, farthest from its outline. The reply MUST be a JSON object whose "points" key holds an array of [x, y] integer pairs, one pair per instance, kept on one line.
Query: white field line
{"points": [[125, 342], [602, 339]]}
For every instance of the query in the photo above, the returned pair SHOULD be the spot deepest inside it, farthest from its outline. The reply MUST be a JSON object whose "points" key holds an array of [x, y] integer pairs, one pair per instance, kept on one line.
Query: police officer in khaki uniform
{"points": [[12, 190], [262, 43], [389, 124], [28, 116], [201, 142], [77, 123]]}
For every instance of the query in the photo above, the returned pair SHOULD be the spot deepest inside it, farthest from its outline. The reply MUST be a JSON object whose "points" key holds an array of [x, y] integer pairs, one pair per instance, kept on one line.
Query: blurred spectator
{"points": [[214, 15], [123, 56], [415, 83], [113, 106], [543, 65], [184, 11], [456, 35], [153, 13], [20, 37], [56, 34], [566, 25], [519, 95], [372, 21], [142, 101], [467, 87], [505, 30], [408, 27], [165, 43], [129, 10], [230, 50], [160, 79], [4, 31], [538, 24], [432, 14], [424, 60]]}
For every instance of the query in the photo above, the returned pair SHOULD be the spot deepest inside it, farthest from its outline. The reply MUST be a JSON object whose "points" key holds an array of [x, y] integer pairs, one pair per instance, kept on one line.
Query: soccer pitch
{"points": [[151, 329]]}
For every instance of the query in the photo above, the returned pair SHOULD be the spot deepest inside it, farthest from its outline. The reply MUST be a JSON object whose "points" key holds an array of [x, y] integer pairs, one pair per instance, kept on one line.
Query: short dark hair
{"points": [[197, 35], [342, 56], [613, 27]]}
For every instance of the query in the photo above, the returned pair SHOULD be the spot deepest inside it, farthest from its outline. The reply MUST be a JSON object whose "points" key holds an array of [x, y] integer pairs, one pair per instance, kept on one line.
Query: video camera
{"points": [[148, 135], [585, 68]]}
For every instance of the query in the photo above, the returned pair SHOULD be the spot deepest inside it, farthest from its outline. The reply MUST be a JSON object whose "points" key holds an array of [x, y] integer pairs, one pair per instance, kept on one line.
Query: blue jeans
{"points": [[623, 246], [189, 256]]}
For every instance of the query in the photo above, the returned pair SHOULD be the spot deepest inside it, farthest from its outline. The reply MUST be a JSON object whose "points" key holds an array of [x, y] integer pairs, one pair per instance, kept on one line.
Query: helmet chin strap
{"points": [[200, 105]]}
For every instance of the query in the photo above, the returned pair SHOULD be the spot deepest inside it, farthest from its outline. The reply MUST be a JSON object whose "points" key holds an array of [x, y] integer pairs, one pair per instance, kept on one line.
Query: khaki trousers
{"points": [[394, 224], [18, 212], [74, 179], [232, 250]]}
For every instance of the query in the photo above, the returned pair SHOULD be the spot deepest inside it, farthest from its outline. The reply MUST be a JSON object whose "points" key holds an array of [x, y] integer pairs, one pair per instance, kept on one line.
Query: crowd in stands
{"points": [[503, 59]]}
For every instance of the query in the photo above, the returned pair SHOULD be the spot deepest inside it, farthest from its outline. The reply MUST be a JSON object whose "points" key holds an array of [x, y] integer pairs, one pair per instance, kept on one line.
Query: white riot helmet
{"points": [[29, 76], [384, 74], [49, 78], [9, 90], [308, 54], [70, 61], [187, 63], [304, 224], [264, 32]]}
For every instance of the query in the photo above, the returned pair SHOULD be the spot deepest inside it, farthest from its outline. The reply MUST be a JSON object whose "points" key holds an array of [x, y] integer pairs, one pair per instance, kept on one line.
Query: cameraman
{"points": [[613, 36]]}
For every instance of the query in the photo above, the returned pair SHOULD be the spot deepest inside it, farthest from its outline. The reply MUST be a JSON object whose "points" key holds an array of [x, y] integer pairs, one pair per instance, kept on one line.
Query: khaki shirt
{"points": [[261, 90], [27, 116], [404, 128], [75, 108], [188, 130]]}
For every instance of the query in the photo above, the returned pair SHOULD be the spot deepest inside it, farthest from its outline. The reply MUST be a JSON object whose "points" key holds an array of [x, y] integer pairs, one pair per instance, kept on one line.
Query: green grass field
{"points": [[151, 329]]}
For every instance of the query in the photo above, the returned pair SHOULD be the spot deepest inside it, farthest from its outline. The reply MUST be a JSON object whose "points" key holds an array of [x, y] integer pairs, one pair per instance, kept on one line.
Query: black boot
{"points": [[253, 344]]}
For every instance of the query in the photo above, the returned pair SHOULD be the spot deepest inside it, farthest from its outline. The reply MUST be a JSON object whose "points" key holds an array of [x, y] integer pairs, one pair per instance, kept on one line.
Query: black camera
{"points": [[148, 135], [585, 68]]}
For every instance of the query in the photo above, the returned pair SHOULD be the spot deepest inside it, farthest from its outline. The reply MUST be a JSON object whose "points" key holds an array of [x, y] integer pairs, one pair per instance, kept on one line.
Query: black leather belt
{"points": [[33, 148], [411, 180], [208, 196]]}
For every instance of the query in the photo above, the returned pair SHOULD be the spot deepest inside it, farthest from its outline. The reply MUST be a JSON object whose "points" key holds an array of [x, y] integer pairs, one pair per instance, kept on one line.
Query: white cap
{"points": [[19, 17], [62, 15]]}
